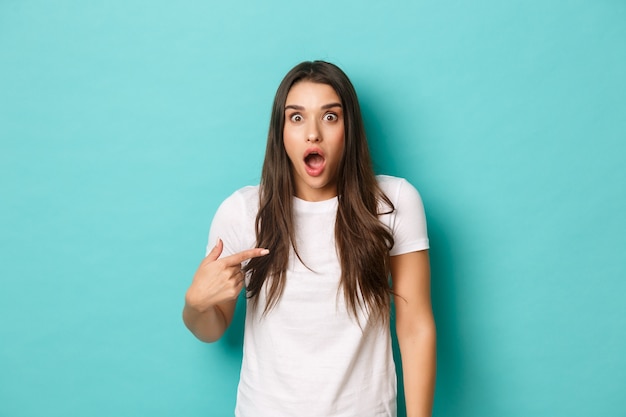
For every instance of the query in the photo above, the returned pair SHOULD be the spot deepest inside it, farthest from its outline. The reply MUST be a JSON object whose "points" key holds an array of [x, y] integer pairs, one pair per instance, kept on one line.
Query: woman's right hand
{"points": [[218, 280]]}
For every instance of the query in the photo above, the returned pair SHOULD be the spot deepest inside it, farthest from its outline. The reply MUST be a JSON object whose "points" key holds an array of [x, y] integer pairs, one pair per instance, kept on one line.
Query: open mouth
{"points": [[314, 161]]}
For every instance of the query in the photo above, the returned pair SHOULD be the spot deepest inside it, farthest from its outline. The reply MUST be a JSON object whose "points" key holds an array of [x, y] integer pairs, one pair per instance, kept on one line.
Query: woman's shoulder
{"points": [[233, 221], [400, 192], [249, 192], [407, 220], [243, 200], [393, 186], [389, 180]]}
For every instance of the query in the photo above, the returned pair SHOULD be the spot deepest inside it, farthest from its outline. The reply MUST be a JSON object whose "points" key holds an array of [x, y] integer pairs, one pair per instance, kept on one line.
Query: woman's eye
{"points": [[295, 118], [330, 117]]}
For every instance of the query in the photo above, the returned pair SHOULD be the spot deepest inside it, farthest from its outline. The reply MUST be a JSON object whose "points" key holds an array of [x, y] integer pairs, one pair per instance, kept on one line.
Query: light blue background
{"points": [[123, 124]]}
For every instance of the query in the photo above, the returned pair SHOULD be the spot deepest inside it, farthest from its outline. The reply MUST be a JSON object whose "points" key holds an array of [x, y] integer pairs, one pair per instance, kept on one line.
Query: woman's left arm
{"points": [[415, 327]]}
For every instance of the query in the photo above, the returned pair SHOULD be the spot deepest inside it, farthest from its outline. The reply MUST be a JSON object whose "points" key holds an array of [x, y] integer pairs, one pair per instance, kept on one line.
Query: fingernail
{"points": [[265, 252]]}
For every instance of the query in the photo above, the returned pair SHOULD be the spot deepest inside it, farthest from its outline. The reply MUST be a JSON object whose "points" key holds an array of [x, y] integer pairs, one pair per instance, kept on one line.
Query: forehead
{"points": [[311, 94]]}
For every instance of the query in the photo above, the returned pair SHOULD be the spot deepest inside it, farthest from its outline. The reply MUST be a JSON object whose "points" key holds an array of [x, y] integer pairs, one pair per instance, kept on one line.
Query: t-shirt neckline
{"points": [[323, 206]]}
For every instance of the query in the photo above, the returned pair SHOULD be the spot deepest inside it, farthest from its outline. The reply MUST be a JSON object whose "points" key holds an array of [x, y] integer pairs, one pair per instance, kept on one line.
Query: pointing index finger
{"points": [[238, 258]]}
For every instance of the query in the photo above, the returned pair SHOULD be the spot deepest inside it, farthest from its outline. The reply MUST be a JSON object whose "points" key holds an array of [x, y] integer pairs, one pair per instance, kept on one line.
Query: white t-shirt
{"points": [[308, 356]]}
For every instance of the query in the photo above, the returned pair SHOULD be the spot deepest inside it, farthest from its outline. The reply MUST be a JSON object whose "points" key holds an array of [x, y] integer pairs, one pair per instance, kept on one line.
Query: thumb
{"points": [[216, 251]]}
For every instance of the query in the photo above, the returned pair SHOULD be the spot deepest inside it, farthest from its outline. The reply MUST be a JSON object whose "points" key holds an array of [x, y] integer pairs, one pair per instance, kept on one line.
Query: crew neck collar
{"points": [[315, 206]]}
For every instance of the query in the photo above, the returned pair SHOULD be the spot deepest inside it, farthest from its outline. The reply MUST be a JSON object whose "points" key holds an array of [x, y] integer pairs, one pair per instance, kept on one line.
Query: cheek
{"points": [[288, 146], [340, 142], [289, 136]]}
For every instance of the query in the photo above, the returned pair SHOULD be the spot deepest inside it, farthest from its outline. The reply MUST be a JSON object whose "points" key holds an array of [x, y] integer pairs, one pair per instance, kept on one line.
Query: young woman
{"points": [[314, 245]]}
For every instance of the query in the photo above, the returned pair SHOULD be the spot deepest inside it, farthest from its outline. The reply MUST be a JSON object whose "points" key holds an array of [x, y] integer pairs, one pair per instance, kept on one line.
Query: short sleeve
{"points": [[408, 220], [234, 223]]}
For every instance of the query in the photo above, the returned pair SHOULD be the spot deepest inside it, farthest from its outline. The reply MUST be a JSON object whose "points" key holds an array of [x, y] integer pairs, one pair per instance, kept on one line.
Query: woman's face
{"points": [[314, 139]]}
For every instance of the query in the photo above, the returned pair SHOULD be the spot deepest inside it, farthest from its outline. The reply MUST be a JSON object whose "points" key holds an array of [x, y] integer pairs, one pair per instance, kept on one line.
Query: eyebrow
{"points": [[324, 107]]}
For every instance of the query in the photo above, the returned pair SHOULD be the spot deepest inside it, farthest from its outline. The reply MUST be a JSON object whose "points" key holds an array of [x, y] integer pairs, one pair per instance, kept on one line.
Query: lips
{"points": [[314, 161]]}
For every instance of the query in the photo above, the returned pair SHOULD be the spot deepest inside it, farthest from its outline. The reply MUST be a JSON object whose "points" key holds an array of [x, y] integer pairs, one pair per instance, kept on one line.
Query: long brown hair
{"points": [[363, 242]]}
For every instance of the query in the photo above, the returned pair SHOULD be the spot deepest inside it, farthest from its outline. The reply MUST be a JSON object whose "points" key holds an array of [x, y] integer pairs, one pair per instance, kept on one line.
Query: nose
{"points": [[313, 133]]}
